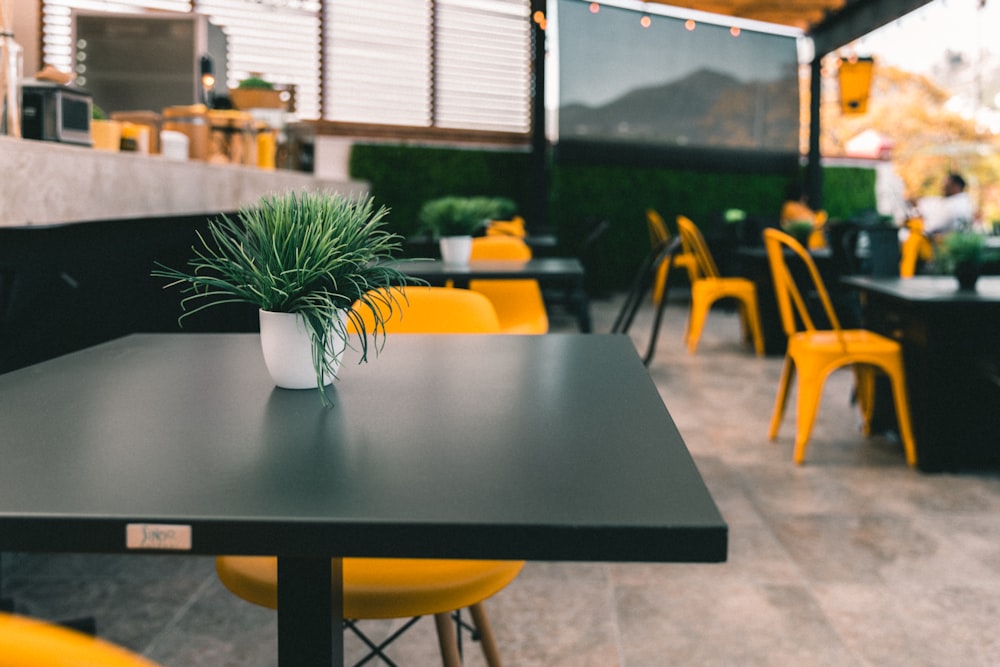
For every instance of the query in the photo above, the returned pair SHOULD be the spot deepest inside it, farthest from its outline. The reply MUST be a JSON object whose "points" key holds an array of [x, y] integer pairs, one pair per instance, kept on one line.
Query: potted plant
{"points": [[303, 260], [454, 220], [961, 253], [255, 92]]}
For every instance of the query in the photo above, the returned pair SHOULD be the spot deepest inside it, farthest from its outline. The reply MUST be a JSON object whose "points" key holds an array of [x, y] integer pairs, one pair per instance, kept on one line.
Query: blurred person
{"points": [[796, 208], [951, 211]]}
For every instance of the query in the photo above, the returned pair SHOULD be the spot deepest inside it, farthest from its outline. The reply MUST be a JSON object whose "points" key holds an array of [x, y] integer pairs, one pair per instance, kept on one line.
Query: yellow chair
{"points": [[815, 353], [796, 211], [708, 286], [513, 227], [658, 235], [383, 588], [26, 642], [421, 309], [817, 239], [519, 303], [914, 248]]}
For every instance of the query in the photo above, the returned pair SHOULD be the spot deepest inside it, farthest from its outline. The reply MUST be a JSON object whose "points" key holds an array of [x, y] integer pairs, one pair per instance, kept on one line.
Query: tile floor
{"points": [[850, 560]]}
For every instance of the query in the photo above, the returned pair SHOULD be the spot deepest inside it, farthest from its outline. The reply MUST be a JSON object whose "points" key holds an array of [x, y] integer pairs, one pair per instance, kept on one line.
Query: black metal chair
{"points": [[666, 251]]}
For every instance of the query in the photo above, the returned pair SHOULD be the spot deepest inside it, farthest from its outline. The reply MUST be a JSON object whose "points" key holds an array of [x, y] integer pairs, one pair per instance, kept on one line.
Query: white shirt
{"points": [[943, 214]]}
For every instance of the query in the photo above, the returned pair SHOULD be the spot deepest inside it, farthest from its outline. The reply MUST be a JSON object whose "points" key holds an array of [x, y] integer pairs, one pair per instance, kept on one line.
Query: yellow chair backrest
{"points": [[785, 289], [420, 309], [817, 239], [657, 227], [694, 243], [513, 227], [916, 247], [500, 247]]}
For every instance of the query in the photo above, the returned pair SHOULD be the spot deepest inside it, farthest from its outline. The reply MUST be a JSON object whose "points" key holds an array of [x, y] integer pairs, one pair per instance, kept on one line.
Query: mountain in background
{"points": [[705, 108]]}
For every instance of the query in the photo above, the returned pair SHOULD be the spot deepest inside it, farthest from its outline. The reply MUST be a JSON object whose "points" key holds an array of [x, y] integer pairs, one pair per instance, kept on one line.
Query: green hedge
{"points": [[403, 177]]}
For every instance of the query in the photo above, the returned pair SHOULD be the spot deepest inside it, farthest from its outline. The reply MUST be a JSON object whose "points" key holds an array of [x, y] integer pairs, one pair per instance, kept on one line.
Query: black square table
{"points": [[564, 272], [951, 350], [550, 447]]}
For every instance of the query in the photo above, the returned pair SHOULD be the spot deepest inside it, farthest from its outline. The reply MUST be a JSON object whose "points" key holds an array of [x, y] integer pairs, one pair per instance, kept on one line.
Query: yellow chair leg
{"points": [[696, 322], [751, 324], [787, 376], [810, 393], [902, 402], [864, 391]]}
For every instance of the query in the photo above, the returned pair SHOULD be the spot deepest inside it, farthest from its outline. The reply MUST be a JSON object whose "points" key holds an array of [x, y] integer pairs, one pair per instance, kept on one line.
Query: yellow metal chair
{"points": [[917, 247], [513, 227], [815, 353], [383, 588], [519, 303], [817, 239], [708, 286], [26, 642], [421, 309], [658, 235]]}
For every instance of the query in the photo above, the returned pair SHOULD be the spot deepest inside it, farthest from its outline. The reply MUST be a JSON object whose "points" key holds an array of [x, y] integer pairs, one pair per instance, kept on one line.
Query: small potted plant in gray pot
{"points": [[303, 260], [961, 253], [453, 221]]}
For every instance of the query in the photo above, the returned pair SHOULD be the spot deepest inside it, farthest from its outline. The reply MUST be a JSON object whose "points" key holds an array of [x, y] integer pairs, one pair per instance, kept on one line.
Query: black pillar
{"points": [[814, 168], [537, 210]]}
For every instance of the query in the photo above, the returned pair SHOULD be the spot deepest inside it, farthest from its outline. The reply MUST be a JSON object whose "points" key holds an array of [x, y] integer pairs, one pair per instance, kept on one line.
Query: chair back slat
{"points": [[694, 243], [786, 290], [657, 228]]}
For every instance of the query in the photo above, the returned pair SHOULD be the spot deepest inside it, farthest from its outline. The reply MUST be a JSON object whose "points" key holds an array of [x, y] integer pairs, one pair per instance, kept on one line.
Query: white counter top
{"points": [[44, 183]]}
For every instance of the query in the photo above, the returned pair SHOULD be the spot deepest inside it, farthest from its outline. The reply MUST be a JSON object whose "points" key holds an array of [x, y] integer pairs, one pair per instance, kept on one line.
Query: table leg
{"points": [[582, 307], [310, 612]]}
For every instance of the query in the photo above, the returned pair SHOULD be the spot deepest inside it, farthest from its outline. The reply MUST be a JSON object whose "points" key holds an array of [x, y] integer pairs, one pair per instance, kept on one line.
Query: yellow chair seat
{"points": [[26, 642], [382, 587], [814, 353]]}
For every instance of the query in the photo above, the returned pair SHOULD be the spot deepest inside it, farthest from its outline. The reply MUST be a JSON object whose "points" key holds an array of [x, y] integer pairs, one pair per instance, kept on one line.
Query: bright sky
{"points": [[917, 40]]}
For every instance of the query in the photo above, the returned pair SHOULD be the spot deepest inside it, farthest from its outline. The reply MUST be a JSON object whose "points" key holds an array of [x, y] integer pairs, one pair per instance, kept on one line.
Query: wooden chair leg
{"points": [[486, 639], [447, 640]]}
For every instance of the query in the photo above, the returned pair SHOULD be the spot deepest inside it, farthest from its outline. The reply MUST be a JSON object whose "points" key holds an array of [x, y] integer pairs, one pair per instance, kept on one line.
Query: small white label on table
{"points": [[158, 536]]}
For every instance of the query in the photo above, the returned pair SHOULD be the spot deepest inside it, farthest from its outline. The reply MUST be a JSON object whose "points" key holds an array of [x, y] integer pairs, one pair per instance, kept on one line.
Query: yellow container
{"points": [[267, 147], [106, 135]]}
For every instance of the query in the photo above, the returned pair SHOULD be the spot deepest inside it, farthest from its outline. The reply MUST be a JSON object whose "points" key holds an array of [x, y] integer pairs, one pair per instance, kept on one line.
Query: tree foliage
{"points": [[928, 138]]}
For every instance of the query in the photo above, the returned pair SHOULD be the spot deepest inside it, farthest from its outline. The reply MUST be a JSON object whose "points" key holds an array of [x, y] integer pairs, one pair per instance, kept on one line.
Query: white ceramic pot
{"points": [[287, 348], [456, 250]]}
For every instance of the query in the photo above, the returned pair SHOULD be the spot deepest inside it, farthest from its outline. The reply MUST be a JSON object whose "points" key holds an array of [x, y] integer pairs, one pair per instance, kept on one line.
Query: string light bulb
{"points": [[689, 25], [594, 7], [734, 31], [645, 21]]}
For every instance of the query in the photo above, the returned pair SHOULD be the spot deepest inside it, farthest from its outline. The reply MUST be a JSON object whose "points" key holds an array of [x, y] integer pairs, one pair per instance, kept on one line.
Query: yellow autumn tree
{"points": [[928, 138]]}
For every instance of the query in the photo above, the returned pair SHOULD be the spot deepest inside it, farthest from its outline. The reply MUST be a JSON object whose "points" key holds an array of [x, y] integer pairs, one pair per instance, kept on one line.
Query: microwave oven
{"points": [[52, 112]]}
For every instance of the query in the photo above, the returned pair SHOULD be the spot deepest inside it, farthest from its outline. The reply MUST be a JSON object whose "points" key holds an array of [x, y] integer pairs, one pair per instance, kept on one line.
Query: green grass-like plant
{"points": [[311, 253], [463, 216], [959, 247], [255, 82]]}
